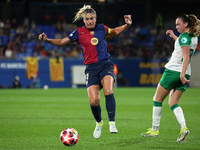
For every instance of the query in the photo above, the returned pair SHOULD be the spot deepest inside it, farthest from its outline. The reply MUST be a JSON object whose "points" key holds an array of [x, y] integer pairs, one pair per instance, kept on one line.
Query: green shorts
{"points": [[171, 80]]}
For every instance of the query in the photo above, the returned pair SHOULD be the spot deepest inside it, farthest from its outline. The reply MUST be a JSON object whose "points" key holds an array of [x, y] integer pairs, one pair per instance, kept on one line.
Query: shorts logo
{"points": [[87, 77], [94, 41], [184, 40]]}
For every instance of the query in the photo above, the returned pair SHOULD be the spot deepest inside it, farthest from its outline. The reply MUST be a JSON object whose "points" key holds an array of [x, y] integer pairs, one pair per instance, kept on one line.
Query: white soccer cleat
{"points": [[112, 127], [97, 130]]}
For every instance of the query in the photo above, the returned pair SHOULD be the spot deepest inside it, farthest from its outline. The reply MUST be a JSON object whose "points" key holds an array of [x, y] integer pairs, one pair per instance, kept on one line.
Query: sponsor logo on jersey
{"points": [[94, 41], [184, 40]]}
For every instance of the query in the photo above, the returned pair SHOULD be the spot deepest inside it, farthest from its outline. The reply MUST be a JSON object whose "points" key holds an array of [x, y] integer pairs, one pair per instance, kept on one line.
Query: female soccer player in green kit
{"points": [[176, 75]]}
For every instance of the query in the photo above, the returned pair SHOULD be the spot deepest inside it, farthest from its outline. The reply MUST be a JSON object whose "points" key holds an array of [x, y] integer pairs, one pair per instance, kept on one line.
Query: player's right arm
{"points": [[186, 58], [56, 42], [171, 34], [118, 30]]}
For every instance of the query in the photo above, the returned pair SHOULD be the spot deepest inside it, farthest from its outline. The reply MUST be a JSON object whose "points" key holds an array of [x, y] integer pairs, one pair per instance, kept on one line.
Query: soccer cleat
{"points": [[97, 130], [150, 133], [183, 134], [112, 127]]}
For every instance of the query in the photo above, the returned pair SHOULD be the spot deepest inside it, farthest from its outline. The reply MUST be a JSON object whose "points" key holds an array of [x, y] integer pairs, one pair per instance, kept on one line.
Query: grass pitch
{"points": [[32, 119]]}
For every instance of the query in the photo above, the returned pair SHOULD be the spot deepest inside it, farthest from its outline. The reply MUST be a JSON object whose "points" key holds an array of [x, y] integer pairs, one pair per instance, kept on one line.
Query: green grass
{"points": [[32, 119]]}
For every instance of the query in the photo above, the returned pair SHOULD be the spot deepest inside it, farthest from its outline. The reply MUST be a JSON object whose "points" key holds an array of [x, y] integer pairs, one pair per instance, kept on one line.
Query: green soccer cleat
{"points": [[183, 134], [150, 133]]}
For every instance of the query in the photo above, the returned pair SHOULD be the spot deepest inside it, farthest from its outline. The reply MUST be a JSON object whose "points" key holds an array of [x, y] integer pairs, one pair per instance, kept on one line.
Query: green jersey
{"points": [[175, 63]]}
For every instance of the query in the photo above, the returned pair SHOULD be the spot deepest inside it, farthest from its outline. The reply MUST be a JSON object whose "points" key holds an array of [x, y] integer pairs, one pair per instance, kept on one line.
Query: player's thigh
{"points": [[161, 93], [169, 79], [107, 78], [94, 94], [174, 97], [107, 82]]}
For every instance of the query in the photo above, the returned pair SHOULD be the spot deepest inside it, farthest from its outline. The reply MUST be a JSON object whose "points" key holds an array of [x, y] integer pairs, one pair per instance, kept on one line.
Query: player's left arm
{"points": [[186, 58], [118, 30]]}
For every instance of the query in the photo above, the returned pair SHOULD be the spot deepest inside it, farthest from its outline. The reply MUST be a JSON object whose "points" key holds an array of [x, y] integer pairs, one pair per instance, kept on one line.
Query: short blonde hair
{"points": [[82, 11]]}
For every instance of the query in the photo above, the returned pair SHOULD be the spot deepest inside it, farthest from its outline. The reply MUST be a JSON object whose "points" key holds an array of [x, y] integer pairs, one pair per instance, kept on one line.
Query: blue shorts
{"points": [[97, 71]]}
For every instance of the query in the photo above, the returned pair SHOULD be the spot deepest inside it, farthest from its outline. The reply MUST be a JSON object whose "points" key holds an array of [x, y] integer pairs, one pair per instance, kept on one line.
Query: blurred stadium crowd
{"points": [[19, 39]]}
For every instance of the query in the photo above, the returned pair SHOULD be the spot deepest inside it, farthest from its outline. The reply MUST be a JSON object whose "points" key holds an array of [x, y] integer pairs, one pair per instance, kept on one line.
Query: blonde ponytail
{"points": [[194, 27], [193, 24], [85, 9]]}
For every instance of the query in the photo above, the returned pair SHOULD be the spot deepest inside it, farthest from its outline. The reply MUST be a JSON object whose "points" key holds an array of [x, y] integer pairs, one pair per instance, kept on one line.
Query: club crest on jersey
{"points": [[92, 32], [94, 41]]}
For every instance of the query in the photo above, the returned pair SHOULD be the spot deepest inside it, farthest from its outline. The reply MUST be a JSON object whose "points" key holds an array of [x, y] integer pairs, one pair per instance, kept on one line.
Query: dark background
{"points": [[110, 12]]}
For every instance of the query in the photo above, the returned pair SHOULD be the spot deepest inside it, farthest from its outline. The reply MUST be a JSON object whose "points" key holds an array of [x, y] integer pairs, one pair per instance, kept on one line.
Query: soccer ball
{"points": [[69, 136]]}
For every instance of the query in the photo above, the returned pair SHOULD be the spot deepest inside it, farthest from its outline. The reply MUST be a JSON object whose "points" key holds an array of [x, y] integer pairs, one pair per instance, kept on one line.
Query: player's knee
{"points": [[170, 104], [108, 91], [157, 99], [154, 98], [94, 102]]}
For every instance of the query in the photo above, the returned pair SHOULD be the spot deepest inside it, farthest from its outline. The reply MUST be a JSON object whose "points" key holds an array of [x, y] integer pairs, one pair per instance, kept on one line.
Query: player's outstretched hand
{"points": [[170, 33], [128, 19], [43, 37]]}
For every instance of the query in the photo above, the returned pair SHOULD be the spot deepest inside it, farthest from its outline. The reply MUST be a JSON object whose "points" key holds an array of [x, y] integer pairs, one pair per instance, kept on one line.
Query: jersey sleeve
{"points": [[184, 40], [74, 36], [107, 29]]}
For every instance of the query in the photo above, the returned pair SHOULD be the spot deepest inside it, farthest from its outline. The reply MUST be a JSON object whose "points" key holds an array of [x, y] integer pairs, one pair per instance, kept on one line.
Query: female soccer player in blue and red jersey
{"points": [[99, 69]]}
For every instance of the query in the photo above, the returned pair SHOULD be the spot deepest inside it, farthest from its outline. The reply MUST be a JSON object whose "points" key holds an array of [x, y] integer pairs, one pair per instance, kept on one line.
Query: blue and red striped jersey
{"points": [[92, 43]]}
